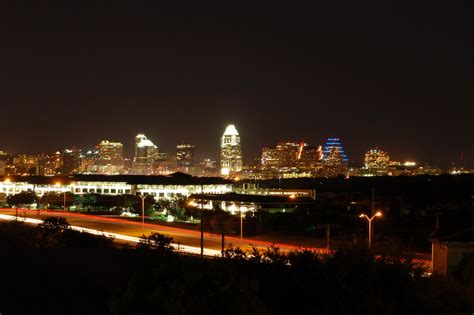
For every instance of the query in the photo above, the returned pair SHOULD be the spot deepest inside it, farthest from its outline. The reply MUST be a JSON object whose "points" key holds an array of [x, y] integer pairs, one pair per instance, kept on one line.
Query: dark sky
{"points": [[398, 77]]}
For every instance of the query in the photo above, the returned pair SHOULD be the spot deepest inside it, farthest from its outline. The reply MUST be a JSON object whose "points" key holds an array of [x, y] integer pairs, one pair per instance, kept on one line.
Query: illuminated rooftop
{"points": [[231, 131]]}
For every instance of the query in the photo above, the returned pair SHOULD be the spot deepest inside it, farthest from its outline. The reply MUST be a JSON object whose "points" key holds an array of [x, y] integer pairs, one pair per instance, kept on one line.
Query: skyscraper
{"points": [[70, 161], [145, 154], [185, 155], [110, 157], [231, 151], [377, 162], [291, 157], [335, 160], [270, 159]]}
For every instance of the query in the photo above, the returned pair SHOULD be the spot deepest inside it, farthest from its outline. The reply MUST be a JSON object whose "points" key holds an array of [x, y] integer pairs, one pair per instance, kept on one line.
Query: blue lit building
{"points": [[334, 145]]}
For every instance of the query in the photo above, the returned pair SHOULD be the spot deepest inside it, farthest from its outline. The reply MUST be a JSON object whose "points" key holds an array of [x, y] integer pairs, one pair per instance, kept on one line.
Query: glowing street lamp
{"points": [[143, 197], [369, 220]]}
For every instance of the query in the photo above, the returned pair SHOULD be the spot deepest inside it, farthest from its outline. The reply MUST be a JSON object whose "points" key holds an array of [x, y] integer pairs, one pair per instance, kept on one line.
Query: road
{"points": [[185, 237], [180, 235]]}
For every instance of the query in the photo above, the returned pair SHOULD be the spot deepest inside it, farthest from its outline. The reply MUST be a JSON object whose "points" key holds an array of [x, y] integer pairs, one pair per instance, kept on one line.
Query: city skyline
{"points": [[253, 157], [73, 76], [287, 157]]}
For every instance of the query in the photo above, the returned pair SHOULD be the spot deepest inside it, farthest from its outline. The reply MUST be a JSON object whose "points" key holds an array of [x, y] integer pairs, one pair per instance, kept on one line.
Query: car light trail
{"points": [[180, 248]]}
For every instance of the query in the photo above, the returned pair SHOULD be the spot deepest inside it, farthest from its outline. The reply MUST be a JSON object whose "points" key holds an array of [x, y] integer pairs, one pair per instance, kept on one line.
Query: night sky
{"points": [[397, 77]]}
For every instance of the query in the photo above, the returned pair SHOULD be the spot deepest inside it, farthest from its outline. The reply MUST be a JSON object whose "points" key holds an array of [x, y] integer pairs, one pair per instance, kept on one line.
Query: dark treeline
{"points": [[51, 269], [413, 206]]}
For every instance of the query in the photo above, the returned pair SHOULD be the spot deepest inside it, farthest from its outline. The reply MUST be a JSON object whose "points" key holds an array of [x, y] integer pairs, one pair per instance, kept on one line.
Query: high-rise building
{"points": [[231, 152], [50, 164], [3, 162], [270, 159], [90, 162], [335, 161], [309, 158], [377, 162], [185, 157], [70, 161], [145, 154], [291, 156], [164, 164], [110, 157]]}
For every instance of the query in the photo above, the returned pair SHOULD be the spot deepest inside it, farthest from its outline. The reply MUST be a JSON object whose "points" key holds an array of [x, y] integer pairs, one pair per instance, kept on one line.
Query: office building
{"points": [[70, 161], [377, 162], [145, 154], [231, 152], [335, 160], [185, 157], [110, 158]]}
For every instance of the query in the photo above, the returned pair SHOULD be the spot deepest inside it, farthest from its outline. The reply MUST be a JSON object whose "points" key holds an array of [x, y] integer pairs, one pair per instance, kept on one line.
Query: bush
{"points": [[156, 241]]}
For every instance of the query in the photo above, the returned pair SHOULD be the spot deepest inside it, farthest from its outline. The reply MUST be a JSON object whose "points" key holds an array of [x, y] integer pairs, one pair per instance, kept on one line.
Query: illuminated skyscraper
{"points": [[3, 162], [145, 154], [110, 157], [291, 156], [332, 145], [335, 160], [309, 158], [185, 155], [231, 151], [377, 162], [270, 159]]}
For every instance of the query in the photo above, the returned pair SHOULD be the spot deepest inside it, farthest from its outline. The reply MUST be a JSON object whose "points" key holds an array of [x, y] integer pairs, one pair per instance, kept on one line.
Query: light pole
{"points": [[59, 185], [201, 226], [241, 227], [64, 200], [143, 197], [369, 220]]}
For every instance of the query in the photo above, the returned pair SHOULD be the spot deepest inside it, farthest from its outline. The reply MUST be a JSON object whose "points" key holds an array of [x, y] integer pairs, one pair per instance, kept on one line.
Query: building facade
{"points": [[159, 187], [185, 155], [292, 158], [145, 154], [110, 158], [335, 160], [231, 152], [376, 162]]}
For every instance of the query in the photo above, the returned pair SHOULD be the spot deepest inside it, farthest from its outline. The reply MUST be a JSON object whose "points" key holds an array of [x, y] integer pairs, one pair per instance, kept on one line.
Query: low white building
{"points": [[160, 187]]}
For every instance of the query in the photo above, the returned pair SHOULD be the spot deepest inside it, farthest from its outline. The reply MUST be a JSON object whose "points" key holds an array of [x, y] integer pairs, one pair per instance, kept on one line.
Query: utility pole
{"points": [[328, 237], [64, 200], [202, 227], [327, 226], [143, 197], [223, 243], [241, 227]]}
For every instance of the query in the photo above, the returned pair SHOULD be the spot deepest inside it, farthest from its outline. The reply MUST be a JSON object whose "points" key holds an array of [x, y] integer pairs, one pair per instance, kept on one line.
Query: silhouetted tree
{"points": [[57, 199], [23, 198], [156, 241]]}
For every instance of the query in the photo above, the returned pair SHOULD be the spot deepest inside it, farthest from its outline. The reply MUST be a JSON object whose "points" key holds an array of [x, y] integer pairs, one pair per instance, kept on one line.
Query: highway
{"points": [[113, 225], [129, 231]]}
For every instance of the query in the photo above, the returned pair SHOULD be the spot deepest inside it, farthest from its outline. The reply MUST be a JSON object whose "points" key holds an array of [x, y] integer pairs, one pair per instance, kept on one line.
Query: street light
{"points": [[143, 197], [369, 220], [241, 226], [59, 185]]}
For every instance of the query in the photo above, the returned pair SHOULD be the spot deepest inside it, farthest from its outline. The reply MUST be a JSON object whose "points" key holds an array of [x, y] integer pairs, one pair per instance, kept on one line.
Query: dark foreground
{"points": [[50, 270]]}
